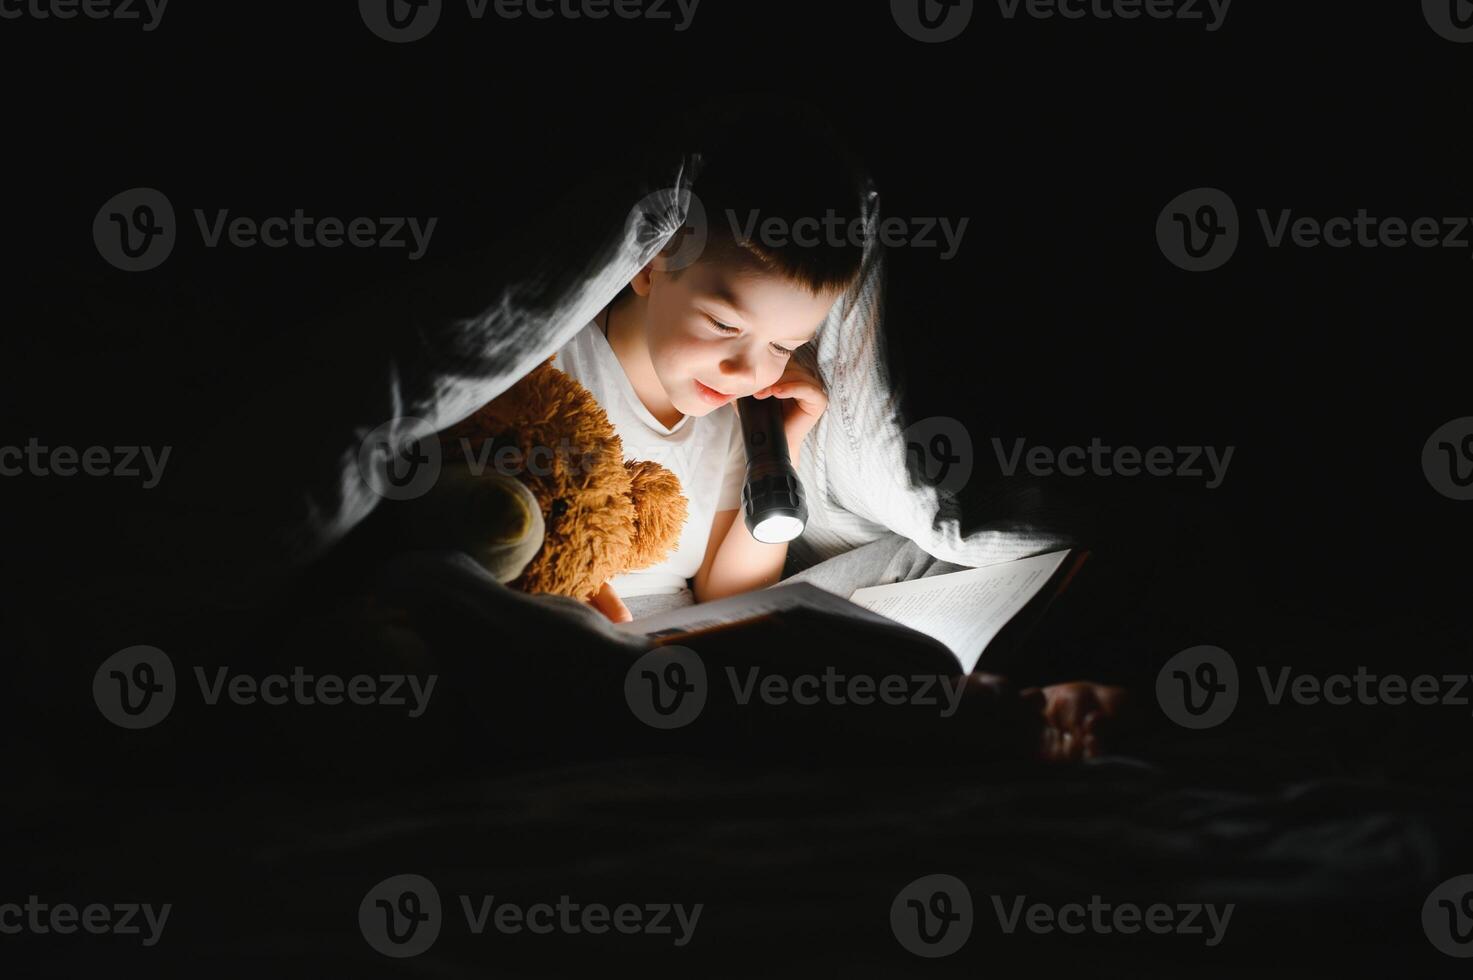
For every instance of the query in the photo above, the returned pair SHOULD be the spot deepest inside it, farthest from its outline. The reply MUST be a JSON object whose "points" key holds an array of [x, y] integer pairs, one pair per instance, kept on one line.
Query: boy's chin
{"points": [[697, 408]]}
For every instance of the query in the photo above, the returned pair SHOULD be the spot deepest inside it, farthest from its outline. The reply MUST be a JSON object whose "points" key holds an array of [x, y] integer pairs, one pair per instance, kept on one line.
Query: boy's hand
{"points": [[1080, 718], [806, 402], [607, 601]]}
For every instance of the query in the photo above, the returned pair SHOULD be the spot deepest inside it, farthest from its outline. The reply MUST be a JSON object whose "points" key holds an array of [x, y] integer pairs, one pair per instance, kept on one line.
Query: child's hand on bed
{"points": [[607, 601], [806, 403], [1079, 718]]}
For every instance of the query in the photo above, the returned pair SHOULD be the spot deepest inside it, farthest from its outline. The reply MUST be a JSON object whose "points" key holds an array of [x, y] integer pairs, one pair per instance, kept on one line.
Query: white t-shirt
{"points": [[705, 452]]}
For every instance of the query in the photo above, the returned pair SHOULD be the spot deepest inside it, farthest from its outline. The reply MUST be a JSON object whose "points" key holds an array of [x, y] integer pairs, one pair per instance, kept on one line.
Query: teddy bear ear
{"points": [[659, 512]]}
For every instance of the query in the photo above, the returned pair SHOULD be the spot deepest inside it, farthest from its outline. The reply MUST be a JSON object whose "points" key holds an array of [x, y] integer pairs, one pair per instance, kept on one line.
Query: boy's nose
{"points": [[738, 375]]}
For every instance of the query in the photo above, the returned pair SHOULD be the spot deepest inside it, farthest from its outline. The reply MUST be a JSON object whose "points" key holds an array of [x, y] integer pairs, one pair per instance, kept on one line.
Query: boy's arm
{"points": [[735, 561]]}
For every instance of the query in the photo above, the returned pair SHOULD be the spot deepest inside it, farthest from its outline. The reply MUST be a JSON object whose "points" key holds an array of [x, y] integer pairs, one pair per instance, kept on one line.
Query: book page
{"points": [[738, 608], [964, 610]]}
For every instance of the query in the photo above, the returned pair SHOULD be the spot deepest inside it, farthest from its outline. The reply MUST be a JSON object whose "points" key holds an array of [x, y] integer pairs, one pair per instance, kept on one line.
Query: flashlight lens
{"points": [[777, 529]]}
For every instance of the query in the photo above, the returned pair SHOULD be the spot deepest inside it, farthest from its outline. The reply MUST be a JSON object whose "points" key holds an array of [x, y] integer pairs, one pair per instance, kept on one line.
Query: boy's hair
{"points": [[779, 192]]}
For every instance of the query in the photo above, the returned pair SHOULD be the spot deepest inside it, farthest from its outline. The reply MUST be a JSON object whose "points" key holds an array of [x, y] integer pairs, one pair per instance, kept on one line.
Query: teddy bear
{"points": [[534, 486]]}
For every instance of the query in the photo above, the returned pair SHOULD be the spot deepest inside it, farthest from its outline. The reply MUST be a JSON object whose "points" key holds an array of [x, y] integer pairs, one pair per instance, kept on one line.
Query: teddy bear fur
{"points": [[601, 516]]}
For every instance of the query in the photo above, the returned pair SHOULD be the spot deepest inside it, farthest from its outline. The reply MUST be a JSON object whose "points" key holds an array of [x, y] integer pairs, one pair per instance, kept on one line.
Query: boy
{"points": [[670, 355]]}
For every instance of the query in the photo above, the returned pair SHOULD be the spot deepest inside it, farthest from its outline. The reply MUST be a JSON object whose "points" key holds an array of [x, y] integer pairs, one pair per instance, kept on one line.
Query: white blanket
{"points": [[853, 466]]}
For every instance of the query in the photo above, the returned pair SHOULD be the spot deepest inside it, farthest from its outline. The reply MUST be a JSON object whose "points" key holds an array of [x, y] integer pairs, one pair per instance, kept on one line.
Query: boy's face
{"points": [[717, 332]]}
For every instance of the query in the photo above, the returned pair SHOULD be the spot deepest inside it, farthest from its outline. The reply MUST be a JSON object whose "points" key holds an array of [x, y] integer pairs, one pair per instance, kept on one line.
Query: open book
{"points": [[963, 611]]}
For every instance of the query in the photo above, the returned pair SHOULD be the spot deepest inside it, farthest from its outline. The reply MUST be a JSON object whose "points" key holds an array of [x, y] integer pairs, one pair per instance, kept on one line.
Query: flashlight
{"points": [[772, 497]]}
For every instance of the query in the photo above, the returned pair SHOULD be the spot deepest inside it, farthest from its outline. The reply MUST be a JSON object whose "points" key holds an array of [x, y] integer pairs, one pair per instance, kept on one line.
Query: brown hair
{"points": [[765, 165]]}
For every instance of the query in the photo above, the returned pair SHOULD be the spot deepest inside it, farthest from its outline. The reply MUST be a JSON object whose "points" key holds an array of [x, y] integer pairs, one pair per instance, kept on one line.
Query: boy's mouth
{"points": [[711, 395]]}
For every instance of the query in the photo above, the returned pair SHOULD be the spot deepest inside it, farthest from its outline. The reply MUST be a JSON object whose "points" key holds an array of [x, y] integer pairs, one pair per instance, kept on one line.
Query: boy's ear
{"points": [[644, 277]]}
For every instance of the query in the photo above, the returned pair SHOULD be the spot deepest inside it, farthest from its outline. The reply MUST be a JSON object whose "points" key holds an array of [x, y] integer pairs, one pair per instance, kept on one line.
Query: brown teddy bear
{"points": [[534, 486]]}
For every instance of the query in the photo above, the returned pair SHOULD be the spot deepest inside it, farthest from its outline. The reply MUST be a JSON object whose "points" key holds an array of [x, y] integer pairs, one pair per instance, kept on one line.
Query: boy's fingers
{"points": [[609, 603], [1064, 709]]}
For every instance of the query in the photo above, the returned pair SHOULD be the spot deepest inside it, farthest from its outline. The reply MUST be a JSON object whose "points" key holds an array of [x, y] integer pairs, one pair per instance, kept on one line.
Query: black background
{"points": [[1059, 320], [1060, 141]]}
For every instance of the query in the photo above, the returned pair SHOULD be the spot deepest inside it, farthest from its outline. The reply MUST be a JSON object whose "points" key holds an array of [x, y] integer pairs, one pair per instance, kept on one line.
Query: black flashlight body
{"points": [[772, 497]]}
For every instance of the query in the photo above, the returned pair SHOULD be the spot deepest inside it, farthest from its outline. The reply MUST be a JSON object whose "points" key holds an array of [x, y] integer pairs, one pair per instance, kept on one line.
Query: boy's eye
{"points": [[776, 349]]}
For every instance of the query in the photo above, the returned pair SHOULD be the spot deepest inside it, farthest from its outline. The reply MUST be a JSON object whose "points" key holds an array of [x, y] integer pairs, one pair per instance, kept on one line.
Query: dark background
{"points": [[1058, 321]]}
